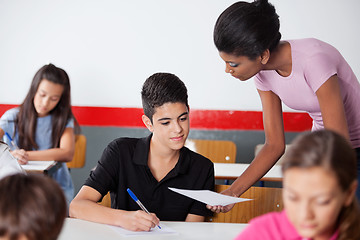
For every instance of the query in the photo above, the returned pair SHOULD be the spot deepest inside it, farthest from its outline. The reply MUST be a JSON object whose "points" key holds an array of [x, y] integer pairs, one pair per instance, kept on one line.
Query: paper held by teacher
{"points": [[209, 197]]}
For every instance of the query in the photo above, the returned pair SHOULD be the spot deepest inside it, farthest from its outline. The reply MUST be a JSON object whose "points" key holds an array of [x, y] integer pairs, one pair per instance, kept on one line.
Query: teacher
{"points": [[305, 74]]}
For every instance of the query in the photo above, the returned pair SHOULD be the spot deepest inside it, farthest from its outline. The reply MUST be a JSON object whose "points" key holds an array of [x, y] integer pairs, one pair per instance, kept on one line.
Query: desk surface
{"points": [[80, 229], [233, 170]]}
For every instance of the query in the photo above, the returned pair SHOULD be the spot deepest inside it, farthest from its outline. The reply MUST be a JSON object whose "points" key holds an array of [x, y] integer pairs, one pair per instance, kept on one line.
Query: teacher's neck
{"points": [[280, 59]]}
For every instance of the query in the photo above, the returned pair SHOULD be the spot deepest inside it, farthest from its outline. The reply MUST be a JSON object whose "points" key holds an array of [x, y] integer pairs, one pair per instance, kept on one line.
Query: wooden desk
{"points": [[80, 229], [46, 167], [233, 170]]}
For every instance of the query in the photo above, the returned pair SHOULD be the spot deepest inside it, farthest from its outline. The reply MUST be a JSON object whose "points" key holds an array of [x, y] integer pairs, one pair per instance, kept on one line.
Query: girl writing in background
{"points": [[305, 74], [319, 193], [42, 127]]}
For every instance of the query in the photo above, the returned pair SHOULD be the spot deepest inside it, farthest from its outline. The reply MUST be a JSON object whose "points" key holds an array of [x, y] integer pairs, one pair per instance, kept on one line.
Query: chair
{"points": [[219, 151], [264, 200], [80, 152], [106, 201], [259, 146]]}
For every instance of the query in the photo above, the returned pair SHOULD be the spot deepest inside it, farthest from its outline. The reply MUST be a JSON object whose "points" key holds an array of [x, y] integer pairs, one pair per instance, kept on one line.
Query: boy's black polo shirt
{"points": [[124, 165]]}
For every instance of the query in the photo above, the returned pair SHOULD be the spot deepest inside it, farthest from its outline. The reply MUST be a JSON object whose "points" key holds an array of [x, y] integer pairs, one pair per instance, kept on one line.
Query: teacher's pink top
{"points": [[313, 63]]}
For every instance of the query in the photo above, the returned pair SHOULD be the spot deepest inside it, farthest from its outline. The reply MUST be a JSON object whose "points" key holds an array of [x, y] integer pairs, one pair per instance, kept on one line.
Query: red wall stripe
{"points": [[199, 119]]}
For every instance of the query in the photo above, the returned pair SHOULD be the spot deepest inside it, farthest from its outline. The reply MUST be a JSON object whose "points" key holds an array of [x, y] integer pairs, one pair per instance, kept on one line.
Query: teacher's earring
{"points": [[231, 71]]}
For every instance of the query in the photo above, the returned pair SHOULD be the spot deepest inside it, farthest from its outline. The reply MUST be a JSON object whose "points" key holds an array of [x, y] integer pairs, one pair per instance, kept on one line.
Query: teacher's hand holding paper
{"points": [[209, 197], [219, 208]]}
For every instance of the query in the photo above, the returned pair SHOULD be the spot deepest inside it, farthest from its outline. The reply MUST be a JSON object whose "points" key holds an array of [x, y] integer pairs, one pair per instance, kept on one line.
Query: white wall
{"points": [[110, 47]]}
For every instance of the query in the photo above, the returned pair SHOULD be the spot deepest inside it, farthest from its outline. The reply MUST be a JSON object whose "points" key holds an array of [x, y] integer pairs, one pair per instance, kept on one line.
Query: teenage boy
{"points": [[148, 166]]}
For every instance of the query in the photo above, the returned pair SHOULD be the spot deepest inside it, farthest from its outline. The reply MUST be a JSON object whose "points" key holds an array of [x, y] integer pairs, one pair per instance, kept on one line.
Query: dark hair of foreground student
{"points": [[32, 207]]}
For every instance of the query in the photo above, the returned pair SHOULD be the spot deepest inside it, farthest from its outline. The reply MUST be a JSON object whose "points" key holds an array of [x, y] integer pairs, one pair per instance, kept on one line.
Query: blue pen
{"points": [[132, 195], [12, 142]]}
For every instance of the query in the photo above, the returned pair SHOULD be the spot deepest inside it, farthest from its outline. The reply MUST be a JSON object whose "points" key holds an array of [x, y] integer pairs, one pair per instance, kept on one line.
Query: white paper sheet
{"points": [[37, 165], [154, 231], [209, 197], [8, 164]]}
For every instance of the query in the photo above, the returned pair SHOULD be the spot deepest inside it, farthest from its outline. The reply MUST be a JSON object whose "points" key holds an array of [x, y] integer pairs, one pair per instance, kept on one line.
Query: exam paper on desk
{"points": [[37, 165], [8, 164], [209, 197], [154, 231]]}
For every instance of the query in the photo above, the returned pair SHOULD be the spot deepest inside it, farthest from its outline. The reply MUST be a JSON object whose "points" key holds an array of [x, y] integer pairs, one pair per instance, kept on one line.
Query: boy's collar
{"points": [[142, 152]]}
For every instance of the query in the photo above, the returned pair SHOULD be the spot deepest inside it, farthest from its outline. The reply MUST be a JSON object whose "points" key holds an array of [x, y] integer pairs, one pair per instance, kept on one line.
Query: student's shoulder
{"points": [[11, 113], [119, 148], [123, 142]]}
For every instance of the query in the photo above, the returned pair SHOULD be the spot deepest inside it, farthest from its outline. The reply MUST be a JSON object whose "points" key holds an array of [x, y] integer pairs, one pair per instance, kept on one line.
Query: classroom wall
{"points": [[110, 47]]}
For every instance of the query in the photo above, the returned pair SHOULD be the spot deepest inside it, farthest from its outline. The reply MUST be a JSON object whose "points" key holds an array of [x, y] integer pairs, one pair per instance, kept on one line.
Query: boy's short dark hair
{"points": [[161, 88]]}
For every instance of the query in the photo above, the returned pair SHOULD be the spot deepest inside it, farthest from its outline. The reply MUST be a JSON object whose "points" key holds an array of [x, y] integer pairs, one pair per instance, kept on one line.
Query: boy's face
{"points": [[170, 125]]}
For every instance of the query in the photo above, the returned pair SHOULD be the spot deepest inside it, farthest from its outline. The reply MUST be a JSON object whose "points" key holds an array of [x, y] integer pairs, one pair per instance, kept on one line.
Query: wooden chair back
{"points": [[219, 151], [264, 200], [106, 201], [80, 152]]}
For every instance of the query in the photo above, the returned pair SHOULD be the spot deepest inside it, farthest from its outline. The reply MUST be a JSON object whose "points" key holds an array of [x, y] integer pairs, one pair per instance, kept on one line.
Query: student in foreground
{"points": [[43, 126], [32, 207], [318, 192], [148, 166]]}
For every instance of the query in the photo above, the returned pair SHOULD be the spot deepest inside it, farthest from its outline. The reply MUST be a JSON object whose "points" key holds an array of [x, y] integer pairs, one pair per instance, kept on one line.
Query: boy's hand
{"points": [[140, 221]]}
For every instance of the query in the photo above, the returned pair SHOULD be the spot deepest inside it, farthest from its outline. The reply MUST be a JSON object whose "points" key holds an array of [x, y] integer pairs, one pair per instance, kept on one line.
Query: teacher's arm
{"points": [[332, 107], [272, 150]]}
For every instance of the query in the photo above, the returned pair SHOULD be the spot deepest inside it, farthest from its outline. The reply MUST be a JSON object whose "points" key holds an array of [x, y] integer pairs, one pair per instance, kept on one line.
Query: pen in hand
{"points": [[21, 152], [11, 141], [132, 195]]}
